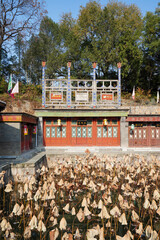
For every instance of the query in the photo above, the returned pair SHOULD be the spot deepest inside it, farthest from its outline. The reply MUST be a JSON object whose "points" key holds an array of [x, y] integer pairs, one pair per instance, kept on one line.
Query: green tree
{"points": [[150, 71], [51, 41], [32, 60], [71, 45], [6, 63], [111, 35], [19, 47], [86, 30], [106, 35], [46, 46]]}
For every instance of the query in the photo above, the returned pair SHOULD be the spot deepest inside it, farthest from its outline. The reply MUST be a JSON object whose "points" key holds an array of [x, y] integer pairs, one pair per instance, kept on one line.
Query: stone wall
{"points": [[124, 132], [145, 109], [25, 170], [10, 139]]}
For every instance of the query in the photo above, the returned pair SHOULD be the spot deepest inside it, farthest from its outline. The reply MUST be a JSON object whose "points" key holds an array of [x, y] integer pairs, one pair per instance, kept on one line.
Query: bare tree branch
{"points": [[18, 16]]}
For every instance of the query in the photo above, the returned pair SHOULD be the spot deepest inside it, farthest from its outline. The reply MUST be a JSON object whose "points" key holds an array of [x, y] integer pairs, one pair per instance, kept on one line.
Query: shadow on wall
{"points": [[10, 139]]}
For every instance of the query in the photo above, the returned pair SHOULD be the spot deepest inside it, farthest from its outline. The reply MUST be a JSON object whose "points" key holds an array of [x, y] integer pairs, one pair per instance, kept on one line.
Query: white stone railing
{"points": [[82, 92]]}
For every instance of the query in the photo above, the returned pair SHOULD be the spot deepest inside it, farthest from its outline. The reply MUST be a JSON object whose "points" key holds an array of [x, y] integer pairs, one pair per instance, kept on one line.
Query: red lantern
{"points": [[25, 130], [94, 64], [69, 64], [119, 65], [43, 63]]}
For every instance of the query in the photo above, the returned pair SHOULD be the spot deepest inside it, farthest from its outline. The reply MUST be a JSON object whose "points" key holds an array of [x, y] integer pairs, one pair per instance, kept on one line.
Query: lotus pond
{"points": [[85, 197]]}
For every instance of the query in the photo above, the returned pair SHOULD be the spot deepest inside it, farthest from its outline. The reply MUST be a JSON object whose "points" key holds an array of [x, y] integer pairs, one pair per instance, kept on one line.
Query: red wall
{"points": [[81, 135]]}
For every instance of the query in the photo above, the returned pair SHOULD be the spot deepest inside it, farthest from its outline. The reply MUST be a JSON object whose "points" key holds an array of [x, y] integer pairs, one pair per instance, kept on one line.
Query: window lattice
{"points": [[109, 132], [47, 132], [63, 132], [99, 132], [115, 131]]}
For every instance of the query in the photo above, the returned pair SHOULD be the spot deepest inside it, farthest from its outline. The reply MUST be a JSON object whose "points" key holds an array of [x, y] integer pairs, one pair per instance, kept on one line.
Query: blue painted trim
{"points": [[94, 94], [119, 86], [43, 88], [69, 89]]}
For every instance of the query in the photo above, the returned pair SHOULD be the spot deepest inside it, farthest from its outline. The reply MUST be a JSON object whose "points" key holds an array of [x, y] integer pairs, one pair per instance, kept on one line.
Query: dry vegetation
{"points": [[85, 197]]}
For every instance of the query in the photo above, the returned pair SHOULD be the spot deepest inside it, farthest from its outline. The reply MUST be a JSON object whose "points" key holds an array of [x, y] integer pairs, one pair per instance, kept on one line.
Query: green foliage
{"points": [[3, 86], [108, 35], [150, 70], [142, 95], [126, 95], [31, 92], [32, 60], [111, 35]]}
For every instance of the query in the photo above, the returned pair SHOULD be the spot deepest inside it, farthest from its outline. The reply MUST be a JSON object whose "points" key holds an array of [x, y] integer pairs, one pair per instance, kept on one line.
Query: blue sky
{"points": [[56, 8]]}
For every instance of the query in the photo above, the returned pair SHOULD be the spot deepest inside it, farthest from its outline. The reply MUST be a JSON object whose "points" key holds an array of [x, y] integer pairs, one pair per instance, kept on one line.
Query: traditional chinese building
{"points": [[89, 113], [82, 127], [82, 112], [18, 133], [143, 130]]}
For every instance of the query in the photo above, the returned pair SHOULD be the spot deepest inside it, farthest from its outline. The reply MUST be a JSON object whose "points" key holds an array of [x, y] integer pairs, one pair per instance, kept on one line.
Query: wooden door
{"points": [[155, 134], [108, 135], [144, 134], [139, 137], [55, 135], [82, 131]]}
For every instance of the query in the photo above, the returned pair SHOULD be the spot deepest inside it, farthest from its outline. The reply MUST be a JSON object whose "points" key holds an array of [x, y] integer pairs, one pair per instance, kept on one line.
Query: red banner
{"points": [[55, 96], [107, 97]]}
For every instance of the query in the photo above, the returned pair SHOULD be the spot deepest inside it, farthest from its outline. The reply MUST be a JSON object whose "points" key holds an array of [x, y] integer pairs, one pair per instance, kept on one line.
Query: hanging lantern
{"points": [[59, 122], [94, 64], [69, 64], [25, 130], [105, 122], [119, 65], [43, 64]]}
